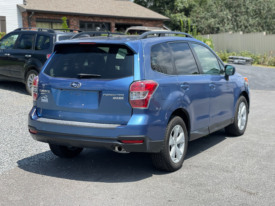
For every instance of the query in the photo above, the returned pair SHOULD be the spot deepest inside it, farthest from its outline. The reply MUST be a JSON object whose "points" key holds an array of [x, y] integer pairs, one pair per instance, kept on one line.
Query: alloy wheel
{"points": [[242, 116], [176, 143], [30, 81]]}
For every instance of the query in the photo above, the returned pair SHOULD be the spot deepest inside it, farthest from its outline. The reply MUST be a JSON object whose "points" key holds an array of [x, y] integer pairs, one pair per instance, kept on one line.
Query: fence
{"points": [[258, 43]]}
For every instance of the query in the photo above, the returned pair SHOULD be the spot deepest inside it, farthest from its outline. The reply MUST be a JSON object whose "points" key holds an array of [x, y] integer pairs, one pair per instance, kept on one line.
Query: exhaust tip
{"points": [[120, 150]]}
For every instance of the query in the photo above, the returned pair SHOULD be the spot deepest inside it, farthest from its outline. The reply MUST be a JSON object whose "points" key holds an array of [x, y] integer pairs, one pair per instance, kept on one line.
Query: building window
{"points": [[49, 23], [2, 24], [92, 26]]}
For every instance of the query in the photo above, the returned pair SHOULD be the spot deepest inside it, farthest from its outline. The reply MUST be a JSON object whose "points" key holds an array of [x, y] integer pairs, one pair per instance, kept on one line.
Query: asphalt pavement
{"points": [[218, 169]]}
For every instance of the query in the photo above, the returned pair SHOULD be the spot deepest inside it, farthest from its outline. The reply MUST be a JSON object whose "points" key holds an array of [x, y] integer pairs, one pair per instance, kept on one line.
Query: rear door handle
{"points": [[7, 54], [28, 55], [185, 86]]}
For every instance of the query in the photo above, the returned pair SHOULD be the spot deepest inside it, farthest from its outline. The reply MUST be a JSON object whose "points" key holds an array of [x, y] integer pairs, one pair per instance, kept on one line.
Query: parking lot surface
{"points": [[218, 170]]}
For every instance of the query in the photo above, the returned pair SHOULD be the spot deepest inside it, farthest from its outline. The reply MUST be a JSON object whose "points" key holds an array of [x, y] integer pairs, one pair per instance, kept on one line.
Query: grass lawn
{"points": [[258, 65]]}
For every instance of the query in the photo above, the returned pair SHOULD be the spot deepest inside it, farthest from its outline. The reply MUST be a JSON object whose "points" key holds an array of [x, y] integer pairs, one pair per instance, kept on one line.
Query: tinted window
{"points": [[26, 41], [61, 38], [208, 60], [161, 59], [136, 32], [8, 41], [109, 61], [184, 59], [42, 42]]}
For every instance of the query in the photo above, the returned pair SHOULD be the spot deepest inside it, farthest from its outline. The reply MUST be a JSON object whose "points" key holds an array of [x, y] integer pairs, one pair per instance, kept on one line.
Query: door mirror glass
{"points": [[229, 70]]}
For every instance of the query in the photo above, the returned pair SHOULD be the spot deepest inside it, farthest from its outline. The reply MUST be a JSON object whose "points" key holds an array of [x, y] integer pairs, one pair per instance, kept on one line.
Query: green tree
{"points": [[217, 16], [176, 10], [64, 23]]}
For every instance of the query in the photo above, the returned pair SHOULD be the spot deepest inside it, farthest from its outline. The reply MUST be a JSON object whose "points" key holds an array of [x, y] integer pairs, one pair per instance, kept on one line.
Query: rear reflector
{"points": [[246, 80], [48, 56], [35, 88], [141, 93], [87, 43], [132, 141], [32, 131]]}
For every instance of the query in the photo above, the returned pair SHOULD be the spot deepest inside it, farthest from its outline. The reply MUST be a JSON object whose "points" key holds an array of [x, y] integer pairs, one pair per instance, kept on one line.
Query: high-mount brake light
{"points": [[35, 88], [132, 141], [48, 56], [87, 43], [141, 93]]}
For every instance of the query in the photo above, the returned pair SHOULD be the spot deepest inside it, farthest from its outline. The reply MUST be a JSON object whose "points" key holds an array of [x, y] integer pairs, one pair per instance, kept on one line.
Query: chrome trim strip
{"points": [[78, 124]]}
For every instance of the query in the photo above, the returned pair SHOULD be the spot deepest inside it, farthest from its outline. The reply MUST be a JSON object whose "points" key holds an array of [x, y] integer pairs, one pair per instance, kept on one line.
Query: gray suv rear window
{"points": [[106, 60]]}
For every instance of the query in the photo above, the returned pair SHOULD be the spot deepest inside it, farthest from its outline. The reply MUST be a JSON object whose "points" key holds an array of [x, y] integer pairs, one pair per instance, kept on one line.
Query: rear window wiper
{"points": [[88, 75]]}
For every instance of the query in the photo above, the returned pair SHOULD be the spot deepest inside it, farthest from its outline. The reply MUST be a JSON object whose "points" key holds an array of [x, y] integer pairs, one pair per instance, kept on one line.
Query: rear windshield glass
{"points": [[103, 61]]}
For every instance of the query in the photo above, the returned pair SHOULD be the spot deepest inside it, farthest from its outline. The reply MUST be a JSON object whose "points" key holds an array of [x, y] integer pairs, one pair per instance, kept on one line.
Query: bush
{"points": [[195, 34], [267, 59], [2, 34], [209, 42], [64, 23]]}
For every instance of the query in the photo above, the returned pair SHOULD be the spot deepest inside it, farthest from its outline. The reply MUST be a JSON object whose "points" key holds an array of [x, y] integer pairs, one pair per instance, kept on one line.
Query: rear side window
{"points": [[161, 60], [106, 61], [42, 42], [26, 41], [184, 59]]}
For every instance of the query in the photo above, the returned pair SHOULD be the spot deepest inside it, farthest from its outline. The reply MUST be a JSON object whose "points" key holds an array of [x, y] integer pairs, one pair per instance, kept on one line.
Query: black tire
{"points": [[31, 72], [65, 152], [234, 129], [162, 160]]}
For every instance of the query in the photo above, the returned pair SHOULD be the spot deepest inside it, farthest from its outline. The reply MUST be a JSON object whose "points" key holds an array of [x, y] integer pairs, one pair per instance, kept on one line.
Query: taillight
{"points": [[48, 56], [32, 131], [35, 88], [141, 93]]}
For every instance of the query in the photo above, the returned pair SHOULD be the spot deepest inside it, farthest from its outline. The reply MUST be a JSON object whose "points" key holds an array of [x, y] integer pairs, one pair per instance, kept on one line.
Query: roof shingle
{"points": [[112, 8]]}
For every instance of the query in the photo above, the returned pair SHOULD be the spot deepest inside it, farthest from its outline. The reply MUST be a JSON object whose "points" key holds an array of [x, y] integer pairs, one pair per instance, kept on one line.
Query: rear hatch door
{"points": [[87, 82]]}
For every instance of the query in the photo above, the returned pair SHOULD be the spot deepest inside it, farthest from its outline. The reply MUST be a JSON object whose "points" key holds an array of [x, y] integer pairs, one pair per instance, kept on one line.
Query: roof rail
{"points": [[36, 28], [145, 34], [46, 29], [69, 30]]}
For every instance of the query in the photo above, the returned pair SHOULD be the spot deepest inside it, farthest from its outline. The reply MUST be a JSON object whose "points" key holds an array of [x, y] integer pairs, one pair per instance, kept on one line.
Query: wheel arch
{"points": [[29, 69], [245, 94], [181, 112]]}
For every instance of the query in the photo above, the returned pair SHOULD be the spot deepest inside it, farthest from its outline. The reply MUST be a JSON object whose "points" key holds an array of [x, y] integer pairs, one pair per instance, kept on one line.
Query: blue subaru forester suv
{"points": [[150, 93]]}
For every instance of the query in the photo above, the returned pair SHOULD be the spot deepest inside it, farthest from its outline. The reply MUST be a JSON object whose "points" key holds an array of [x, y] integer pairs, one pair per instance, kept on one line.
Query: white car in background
{"points": [[138, 30]]}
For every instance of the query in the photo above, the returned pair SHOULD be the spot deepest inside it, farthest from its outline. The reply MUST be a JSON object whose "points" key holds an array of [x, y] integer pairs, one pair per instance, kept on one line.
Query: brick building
{"points": [[82, 14]]}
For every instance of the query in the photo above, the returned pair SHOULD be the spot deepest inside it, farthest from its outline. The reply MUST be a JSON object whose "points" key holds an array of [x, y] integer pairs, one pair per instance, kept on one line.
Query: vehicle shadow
{"points": [[13, 86], [107, 166]]}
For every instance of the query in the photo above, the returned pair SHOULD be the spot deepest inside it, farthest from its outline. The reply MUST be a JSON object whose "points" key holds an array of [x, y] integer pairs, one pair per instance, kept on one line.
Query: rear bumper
{"points": [[97, 142], [87, 136]]}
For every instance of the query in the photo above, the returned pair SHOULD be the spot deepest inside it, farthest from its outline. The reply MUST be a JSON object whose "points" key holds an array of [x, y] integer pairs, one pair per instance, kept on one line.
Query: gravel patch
{"points": [[15, 141]]}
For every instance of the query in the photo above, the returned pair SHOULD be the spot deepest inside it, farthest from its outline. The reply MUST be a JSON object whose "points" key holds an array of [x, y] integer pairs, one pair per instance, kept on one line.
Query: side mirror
{"points": [[229, 71]]}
